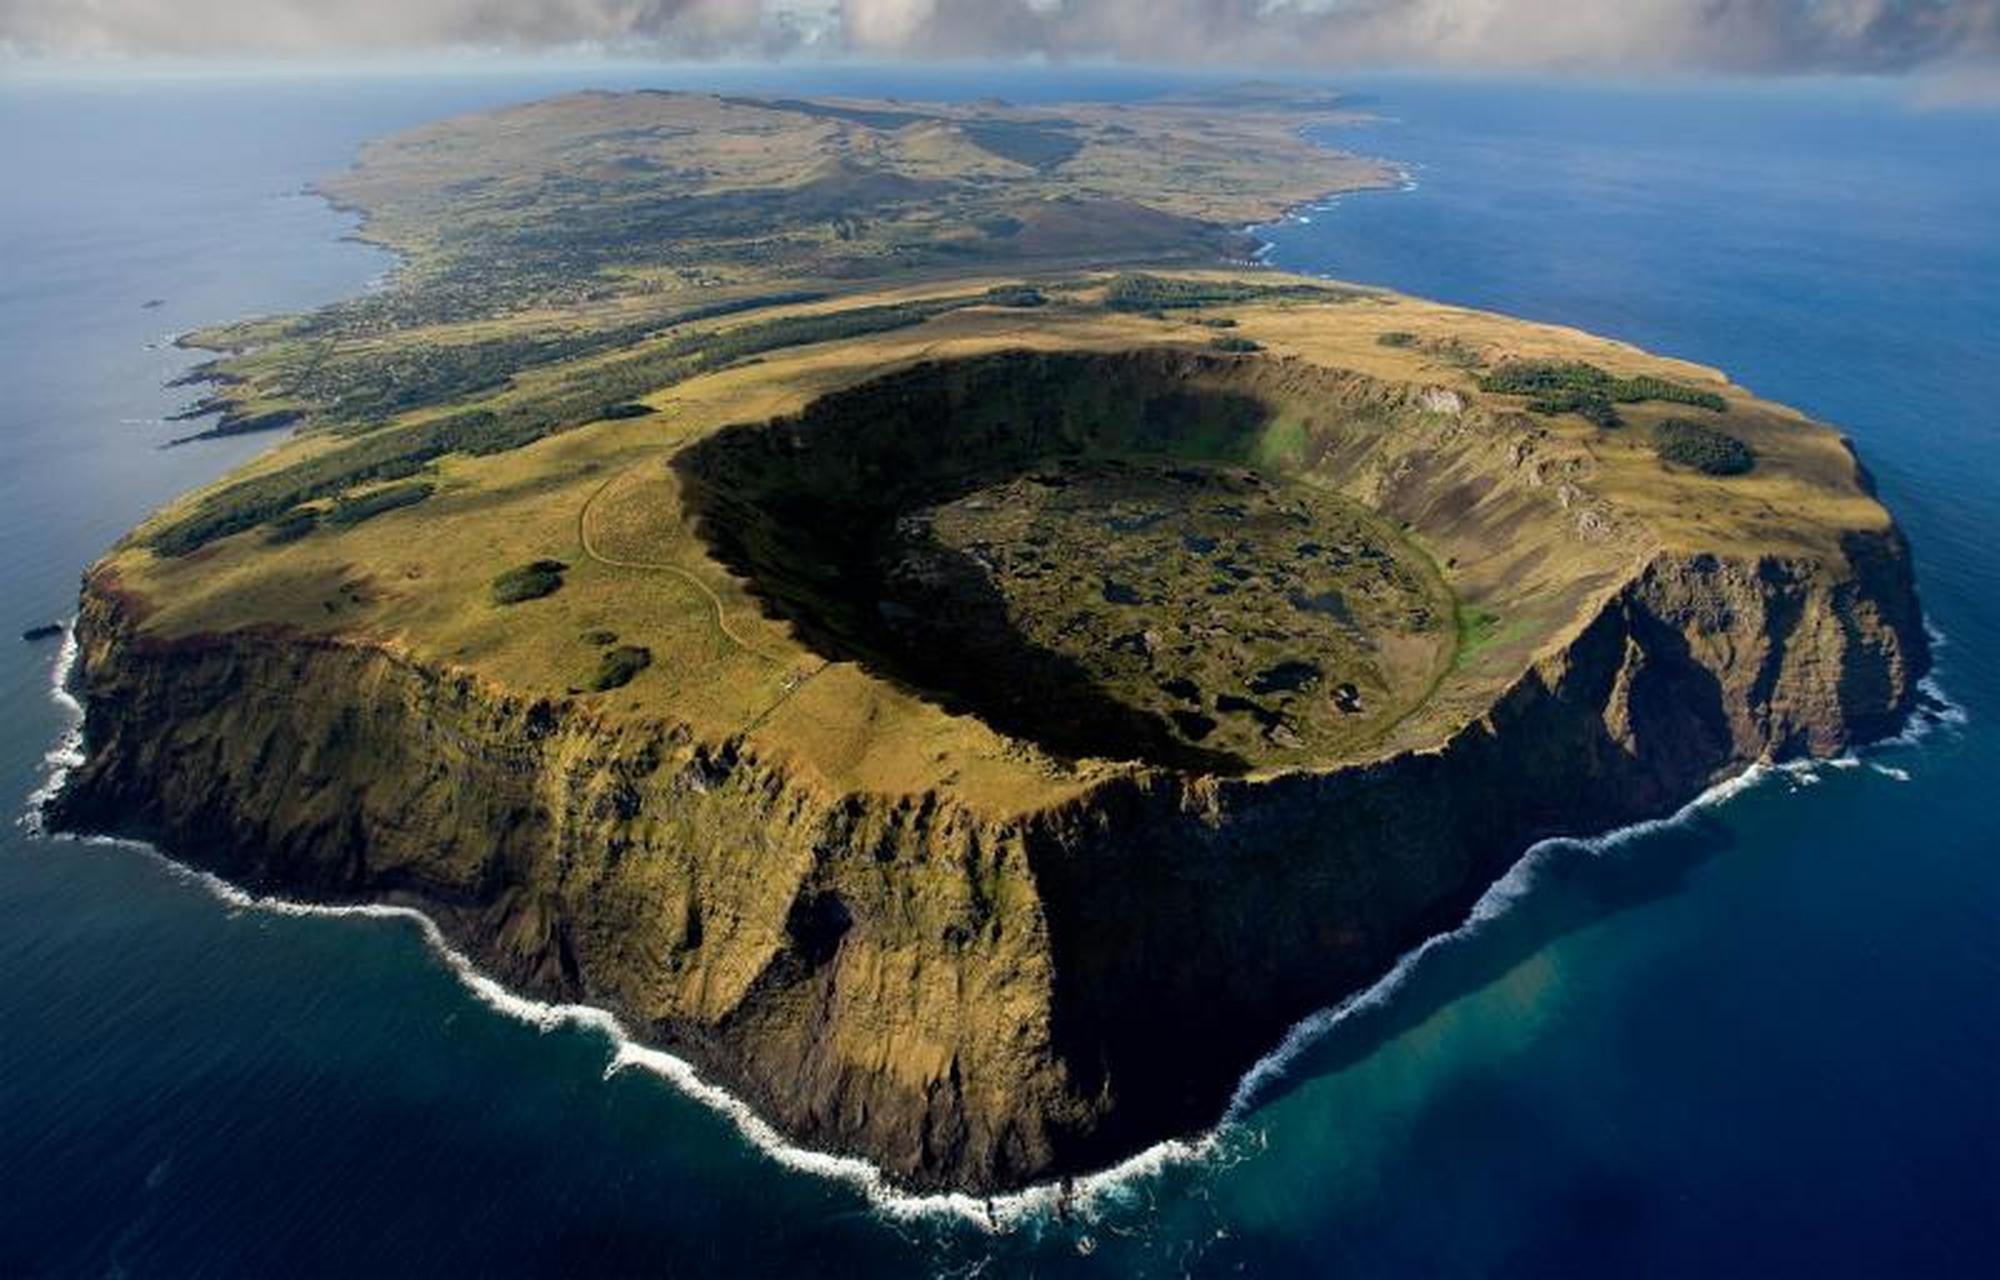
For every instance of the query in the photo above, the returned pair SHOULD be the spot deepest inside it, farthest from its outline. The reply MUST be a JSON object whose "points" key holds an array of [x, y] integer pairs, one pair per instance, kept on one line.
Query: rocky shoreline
{"points": [[970, 1002]]}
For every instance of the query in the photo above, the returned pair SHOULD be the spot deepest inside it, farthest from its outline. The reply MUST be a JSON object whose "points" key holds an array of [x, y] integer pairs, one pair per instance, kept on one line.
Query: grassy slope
{"points": [[551, 246], [602, 500], [972, 946]]}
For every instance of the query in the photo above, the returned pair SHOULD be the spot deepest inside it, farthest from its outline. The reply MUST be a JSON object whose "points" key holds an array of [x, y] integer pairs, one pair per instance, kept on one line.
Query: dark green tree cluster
{"points": [[353, 510], [627, 409], [581, 398], [1696, 444], [618, 666], [530, 581], [292, 526], [1572, 386], [1136, 291], [358, 388], [1015, 295]]}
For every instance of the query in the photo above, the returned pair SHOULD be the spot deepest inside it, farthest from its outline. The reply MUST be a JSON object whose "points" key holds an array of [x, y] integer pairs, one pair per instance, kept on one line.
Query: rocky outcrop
{"points": [[1193, 925], [969, 1001]]}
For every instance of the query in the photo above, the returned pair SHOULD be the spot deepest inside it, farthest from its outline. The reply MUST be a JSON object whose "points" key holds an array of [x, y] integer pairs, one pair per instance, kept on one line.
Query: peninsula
{"points": [[886, 599]]}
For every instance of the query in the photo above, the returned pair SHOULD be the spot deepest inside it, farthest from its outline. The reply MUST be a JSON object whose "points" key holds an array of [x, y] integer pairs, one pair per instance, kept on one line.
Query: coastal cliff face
{"points": [[968, 1000]]}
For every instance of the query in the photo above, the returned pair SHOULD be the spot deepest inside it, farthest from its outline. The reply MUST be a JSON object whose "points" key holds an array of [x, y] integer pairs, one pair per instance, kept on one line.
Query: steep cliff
{"points": [[969, 1001], [834, 859]]}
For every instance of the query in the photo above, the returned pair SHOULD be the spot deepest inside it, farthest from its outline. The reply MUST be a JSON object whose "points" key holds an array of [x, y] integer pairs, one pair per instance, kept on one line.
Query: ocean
{"points": [[1762, 1039]]}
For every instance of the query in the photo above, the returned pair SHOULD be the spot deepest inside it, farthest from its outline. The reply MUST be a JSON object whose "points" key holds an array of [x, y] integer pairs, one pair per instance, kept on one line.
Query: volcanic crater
{"points": [[1100, 554], [1118, 701]]}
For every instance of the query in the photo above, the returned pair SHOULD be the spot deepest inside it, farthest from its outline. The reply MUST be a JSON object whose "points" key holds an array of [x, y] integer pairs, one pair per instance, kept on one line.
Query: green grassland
{"points": [[1246, 620], [684, 407]]}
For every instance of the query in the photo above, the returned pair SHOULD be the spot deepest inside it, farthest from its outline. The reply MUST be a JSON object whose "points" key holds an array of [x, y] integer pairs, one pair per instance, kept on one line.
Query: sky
{"points": [[1956, 41]]}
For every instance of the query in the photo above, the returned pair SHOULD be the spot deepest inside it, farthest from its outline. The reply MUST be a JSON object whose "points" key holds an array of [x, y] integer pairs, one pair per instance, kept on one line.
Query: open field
{"points": [[1398, 428], [1399, 505], [868, 593]]}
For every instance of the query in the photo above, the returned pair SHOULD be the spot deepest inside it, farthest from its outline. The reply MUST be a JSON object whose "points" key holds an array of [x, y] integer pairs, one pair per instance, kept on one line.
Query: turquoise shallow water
{"points": [[1762, 1041]]}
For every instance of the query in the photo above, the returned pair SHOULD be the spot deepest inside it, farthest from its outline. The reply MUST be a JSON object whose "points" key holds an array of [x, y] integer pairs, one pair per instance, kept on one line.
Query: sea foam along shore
{"points": [[1301, 215], [1406, 180], [1033, 1204], [1084, 1197]]}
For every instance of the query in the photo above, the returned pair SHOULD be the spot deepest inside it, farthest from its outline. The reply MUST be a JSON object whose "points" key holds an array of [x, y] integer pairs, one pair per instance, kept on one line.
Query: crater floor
{"points": [[1236, 621], [757, 571], [1121, 557], [930, 731], [1006, 554]]}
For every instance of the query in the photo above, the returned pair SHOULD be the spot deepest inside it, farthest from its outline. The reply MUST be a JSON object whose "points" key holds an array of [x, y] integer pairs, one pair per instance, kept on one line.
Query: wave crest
{"points": [[1087, 1196]]}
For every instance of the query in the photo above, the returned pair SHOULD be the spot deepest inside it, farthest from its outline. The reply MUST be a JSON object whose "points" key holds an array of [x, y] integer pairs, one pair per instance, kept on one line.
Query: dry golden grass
{"points": [[602, 500]]}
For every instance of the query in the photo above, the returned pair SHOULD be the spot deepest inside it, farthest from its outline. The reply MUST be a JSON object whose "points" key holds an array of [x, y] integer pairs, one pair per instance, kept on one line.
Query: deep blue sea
{"points": [[1762, 1041]]}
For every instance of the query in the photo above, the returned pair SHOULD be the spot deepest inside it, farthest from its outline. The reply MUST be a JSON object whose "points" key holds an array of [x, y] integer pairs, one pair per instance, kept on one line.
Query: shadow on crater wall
{"points": [[805, 508]]}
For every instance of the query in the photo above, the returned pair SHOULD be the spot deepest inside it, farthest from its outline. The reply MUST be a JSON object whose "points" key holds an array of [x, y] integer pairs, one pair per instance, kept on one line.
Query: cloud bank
{"points": [[339, 28], [1745, 35], [1592, 35]]}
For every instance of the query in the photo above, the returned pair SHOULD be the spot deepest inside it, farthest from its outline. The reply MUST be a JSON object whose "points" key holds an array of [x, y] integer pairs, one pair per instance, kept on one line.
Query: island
{"points": [[891, 601]]}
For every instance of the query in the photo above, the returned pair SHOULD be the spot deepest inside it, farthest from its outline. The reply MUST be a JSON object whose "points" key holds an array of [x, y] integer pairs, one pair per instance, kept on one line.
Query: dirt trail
{"points": [[792, 684]]}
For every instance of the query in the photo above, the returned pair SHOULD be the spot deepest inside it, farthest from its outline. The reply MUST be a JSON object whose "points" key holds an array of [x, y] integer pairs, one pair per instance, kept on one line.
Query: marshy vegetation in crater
{"points": [[1098, 564]]}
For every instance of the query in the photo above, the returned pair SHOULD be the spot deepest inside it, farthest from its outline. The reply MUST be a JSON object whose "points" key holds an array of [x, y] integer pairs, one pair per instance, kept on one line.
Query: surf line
{"points": [[1301, 214], [1085, 1196], [995, 1213], [1935, 710]]}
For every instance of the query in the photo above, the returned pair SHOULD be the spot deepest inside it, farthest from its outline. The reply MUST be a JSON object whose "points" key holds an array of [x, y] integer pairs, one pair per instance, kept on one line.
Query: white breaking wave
{"points": [[1302, 215], [995, 1213], [1939, 711], [1936, 709], [67, 753], [1502, 894], [1086, 1196]]}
